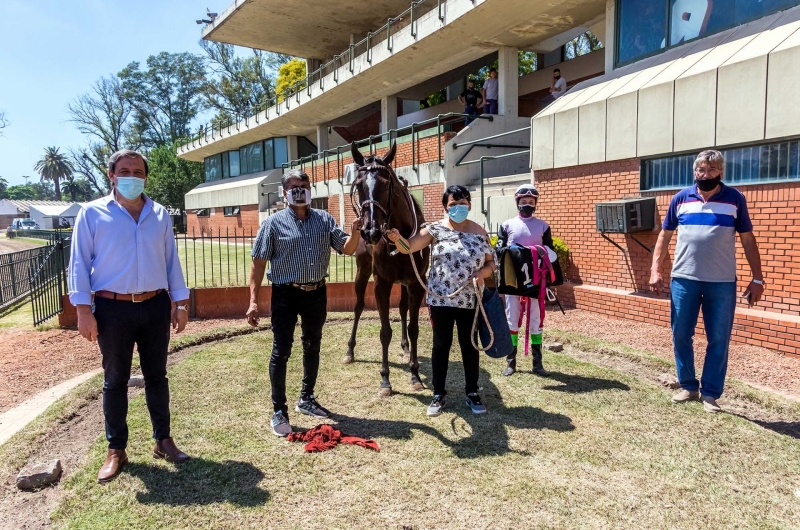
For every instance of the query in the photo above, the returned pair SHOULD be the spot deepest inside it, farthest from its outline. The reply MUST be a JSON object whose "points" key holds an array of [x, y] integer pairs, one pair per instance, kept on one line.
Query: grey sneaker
{"points": [[436, 406], [684, 395], [280, 424], [475, 403], [710, 405], [310, 407]]}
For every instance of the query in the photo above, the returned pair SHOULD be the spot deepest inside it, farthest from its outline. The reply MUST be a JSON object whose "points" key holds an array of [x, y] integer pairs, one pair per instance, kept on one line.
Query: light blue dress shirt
{"points": [[111, 252]]}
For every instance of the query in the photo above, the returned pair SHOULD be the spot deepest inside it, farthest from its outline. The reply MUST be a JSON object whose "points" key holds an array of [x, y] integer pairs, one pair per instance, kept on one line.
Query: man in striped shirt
{"points": [[707, 216], [297, 242]]}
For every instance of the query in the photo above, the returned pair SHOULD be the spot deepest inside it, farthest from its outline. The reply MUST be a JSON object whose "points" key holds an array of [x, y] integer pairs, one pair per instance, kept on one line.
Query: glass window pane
{"points": [[244, 170], [751, 9], [256, 154], [213, 168], [642, 28], [269, 155], [234, 163], [226, 166], [281, 151]]}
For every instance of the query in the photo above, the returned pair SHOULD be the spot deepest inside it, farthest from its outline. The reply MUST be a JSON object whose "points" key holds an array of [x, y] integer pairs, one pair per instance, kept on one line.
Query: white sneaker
{"points": [[710, 405], [436, 406], [280, 424]]}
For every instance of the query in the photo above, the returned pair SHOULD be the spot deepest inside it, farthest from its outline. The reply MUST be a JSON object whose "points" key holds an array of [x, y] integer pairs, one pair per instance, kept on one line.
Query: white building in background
{"points": [[49, 216]]}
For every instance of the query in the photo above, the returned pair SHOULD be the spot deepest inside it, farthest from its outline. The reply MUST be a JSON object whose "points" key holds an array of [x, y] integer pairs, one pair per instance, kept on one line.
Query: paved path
{"points": [[14, 420]]}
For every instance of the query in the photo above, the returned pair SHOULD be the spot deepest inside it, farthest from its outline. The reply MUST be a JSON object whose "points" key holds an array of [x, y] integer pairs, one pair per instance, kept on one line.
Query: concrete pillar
{"points": [[609, 43], [322, 138], [292, 147], [455, 90], [508, 77], [312, 65], [388, 113]]}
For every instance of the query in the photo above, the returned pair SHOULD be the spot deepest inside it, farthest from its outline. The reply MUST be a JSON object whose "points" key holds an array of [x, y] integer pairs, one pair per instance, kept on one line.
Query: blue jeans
{"points": [[490, 107], [718, 300], [472, 110]]}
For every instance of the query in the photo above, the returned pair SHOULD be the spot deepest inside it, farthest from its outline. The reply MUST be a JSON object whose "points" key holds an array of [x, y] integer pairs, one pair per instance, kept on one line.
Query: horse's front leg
{"points": [[416, 294], [404, 323], [383, 291]]}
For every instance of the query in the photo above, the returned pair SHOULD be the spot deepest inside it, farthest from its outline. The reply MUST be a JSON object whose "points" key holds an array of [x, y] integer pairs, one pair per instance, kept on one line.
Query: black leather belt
{"points": [[308, 286]]}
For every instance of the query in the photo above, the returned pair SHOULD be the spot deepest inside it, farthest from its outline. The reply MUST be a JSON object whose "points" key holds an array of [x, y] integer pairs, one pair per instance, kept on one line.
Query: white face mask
{"points": [[298, 196]]}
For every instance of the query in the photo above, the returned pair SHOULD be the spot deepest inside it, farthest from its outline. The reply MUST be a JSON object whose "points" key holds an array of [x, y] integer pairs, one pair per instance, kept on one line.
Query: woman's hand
{"points": [[393, 234], [477, 275]]}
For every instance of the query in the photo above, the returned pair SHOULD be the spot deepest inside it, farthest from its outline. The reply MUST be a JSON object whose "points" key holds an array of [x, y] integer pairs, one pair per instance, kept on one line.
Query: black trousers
{"points": [[287, 304], [120, 326], [443, 319]]}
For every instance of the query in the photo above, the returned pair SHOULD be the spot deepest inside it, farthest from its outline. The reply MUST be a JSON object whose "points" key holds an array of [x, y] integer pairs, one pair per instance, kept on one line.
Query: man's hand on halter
{"points": [[357, 225]]}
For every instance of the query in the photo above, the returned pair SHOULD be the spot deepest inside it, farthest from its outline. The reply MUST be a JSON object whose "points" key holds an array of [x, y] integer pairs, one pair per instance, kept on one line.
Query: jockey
{"points": [[525, 230]]}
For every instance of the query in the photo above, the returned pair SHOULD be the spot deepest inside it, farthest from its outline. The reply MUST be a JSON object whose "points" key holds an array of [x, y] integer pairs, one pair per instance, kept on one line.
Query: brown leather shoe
{"points": [[115, 461], [167, 450]]}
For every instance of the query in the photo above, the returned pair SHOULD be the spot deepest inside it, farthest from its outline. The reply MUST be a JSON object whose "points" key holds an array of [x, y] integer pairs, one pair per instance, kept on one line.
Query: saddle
{"points": [[520, 274]]}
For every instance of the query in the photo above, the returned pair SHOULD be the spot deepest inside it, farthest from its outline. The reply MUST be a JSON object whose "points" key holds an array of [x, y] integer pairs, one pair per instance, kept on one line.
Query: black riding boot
{"points": [[512, 363], [538, 369]]}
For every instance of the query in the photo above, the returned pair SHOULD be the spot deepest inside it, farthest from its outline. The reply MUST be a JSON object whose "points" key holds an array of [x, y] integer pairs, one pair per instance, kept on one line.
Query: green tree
{"points": [[22, 192], [79, 189], [289, 75], [3, 188], [527, 62], [54, 167], [171, 178], [166, 96], [581, 45]]}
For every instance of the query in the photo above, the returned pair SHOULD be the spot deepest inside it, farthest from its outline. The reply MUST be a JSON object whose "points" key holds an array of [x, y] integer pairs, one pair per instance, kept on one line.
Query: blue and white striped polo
{"points": [[706, 246]]}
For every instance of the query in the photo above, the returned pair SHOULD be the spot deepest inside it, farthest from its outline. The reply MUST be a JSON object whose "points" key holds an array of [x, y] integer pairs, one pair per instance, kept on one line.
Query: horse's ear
{"points": [[387, 160], [358, 158]]}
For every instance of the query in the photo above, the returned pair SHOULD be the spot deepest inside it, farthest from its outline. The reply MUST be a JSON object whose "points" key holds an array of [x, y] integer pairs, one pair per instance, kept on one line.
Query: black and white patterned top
{"points": [[455, 256], [299, 251]]}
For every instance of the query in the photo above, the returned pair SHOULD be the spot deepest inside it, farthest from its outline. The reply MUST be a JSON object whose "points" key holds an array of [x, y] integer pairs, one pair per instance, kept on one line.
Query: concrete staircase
{"points": [[499, 199]]}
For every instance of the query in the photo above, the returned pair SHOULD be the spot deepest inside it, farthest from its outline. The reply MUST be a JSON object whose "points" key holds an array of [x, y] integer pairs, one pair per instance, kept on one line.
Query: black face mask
{"points": [[708, 184], [526, 210]]}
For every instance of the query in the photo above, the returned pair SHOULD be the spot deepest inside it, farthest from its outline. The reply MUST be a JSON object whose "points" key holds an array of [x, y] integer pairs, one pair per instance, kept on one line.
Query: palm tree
{"points": [[54, 166]]}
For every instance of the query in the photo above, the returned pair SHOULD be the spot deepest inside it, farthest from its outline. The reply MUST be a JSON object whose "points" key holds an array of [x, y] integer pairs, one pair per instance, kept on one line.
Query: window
{"points": [[281, 150], [230, 211], [203, 212], [305, 147], [233, 160], [756, 164], [646, 26], [251, 158], [320, 203], [269, 154], [213, 166]]}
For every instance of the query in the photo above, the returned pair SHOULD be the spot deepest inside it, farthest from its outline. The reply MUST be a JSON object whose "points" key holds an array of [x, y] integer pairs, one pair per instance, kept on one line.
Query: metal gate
{"points": [[48, 282]]}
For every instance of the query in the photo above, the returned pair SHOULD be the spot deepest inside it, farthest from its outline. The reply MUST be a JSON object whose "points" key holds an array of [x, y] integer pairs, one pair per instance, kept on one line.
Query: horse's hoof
{"points": [[385, 391], [416, 387], [347, 359]]}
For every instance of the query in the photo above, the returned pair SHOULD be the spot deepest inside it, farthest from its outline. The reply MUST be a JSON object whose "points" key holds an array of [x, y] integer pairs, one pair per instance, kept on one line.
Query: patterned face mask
{"points": [[298, 196]]}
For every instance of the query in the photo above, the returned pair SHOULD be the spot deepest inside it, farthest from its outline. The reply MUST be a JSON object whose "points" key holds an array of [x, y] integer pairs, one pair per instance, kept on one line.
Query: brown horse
{"points": [[382, 202]]}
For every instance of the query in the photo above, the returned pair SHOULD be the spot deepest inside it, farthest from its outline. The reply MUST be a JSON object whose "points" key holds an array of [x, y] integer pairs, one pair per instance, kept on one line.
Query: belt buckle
{"points": [[133, 298]]}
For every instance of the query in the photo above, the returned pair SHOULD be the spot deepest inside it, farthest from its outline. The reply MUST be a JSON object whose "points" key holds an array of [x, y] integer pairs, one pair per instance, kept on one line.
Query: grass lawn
{"points": [[587, 448], [224, 264], [21, 317]]}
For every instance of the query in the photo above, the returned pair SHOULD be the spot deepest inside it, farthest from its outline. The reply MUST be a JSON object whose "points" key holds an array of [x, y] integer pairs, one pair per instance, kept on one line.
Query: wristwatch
{"points": [[182, 308], [759, 282]]}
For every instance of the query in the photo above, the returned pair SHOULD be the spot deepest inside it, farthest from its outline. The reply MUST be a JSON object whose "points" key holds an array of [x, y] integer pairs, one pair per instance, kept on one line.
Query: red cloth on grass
{"points": [[324, 437]]}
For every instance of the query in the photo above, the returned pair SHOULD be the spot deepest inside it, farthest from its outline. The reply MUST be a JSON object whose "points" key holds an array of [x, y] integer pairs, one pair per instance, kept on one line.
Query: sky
{"points": [[51, 51]]}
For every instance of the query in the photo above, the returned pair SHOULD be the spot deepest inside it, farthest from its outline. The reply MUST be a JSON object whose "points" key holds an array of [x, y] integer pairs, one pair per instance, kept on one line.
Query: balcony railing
{"points": [[347, 57]]}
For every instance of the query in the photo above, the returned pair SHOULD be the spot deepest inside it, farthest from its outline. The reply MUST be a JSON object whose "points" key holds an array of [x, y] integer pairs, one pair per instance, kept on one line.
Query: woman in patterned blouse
{"points": [[460, 251]]}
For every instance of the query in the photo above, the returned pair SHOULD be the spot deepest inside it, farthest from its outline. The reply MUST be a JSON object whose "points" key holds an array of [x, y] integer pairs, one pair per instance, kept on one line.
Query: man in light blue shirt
{"points": [[124, 278]]}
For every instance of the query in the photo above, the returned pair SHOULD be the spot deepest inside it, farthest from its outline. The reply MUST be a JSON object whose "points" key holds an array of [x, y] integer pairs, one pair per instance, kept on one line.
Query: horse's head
{"points": [[372, 191]]}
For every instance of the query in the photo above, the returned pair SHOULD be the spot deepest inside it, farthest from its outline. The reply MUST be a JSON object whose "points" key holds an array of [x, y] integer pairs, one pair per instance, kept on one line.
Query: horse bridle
{"points": [[387, 212]]}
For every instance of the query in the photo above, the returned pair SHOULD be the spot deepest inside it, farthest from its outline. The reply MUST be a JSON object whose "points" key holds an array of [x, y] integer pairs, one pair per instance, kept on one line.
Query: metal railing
{"points": [[16, 269], [481, 143], [317, 77], [48, 235], [48, 283], [221, 258], [441, 120]]}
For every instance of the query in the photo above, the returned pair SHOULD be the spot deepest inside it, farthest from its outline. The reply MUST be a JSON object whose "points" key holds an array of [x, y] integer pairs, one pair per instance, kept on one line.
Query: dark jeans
{"points": [[472, 110], [443, 319], [120, 325], [287, 304], [718, 301], [490, 107]]}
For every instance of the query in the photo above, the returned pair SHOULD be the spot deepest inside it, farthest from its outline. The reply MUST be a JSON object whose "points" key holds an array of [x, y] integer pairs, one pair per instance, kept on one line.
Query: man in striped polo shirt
{"points": [[707, 216], [297, 242]]}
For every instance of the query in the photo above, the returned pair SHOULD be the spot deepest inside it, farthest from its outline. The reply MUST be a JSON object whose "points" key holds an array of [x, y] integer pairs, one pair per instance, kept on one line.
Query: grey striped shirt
{"points": [[299, 251]]}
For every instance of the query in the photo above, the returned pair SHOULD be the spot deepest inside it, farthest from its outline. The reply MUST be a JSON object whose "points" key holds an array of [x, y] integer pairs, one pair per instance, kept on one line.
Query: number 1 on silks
{"points": [[527, 275]]}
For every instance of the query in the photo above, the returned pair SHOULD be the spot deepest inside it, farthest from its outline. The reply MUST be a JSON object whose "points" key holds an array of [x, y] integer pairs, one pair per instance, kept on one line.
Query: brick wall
{"points": [[333, 208], [246, 221], [568, 196], [432, 197]]}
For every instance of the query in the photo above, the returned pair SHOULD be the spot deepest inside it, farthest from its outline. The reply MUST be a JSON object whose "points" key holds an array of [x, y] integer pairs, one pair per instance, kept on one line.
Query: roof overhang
{"points": [[316, 29], [238, 191], [737, 87]]}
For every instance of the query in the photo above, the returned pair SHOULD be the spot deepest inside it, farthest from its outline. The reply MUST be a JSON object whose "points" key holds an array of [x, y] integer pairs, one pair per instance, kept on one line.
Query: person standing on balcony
{"points": [[490, 93], [707, 216], [297, 242], [123, 251], [526, 230], [472, 100]]}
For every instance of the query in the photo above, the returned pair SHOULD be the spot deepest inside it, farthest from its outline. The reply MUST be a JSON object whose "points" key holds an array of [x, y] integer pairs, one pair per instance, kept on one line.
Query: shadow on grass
{"points": [[788, 428], [487, 434], [578, 384], [200, 482]]}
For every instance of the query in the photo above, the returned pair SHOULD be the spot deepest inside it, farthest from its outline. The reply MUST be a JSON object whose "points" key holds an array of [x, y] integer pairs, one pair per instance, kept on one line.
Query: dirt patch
{"points": [[14, 245], [763, 368]]}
